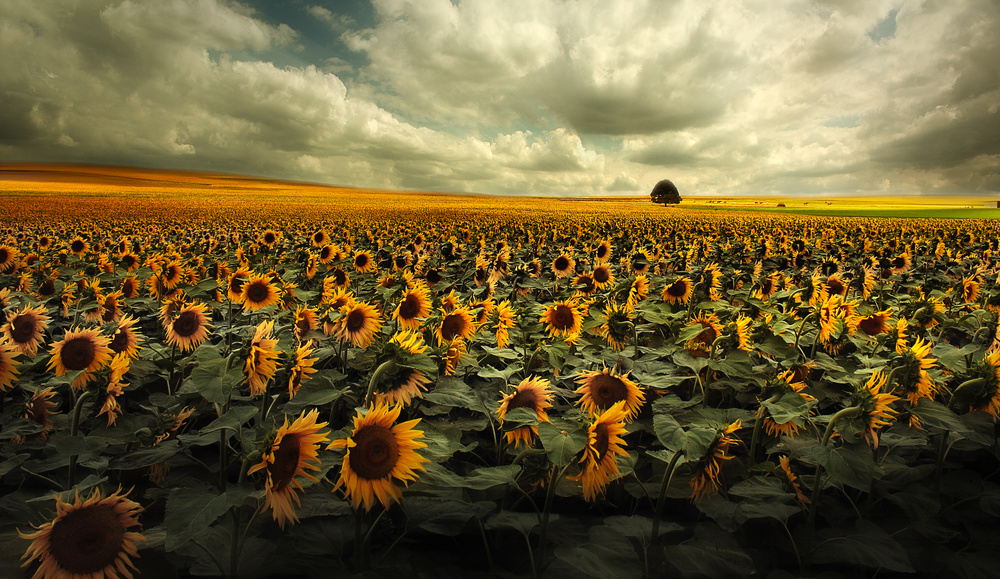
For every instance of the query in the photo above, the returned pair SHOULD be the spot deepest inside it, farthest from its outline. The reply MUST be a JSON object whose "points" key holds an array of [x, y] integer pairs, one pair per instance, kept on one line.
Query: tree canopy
{"points": [[665, 192]]}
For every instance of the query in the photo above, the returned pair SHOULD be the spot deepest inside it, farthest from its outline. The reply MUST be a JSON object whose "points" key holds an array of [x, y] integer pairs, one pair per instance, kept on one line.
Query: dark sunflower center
{"points": [[452, 325], [871, 325], [22, 329], [77, 246], [708, 335], [677, 289], [899, 263], [361, 261], [47, 288], [319, 237], [433, 276], [410, 307], [400, 261], [258, 292], [286, 461], [355, 321], [836, 287], [78, 353], [602, 440], [561, 263], [375, 453], [602, 251], [236, 284], [269, 238], [587, 282], [562, 317], [339, 276], [87, 540], [120, 341], [4, 255], [186, 324], [325, 252], [606, 389], [768, 286], [602, 275], [524, 399], [173, 273], [303, 325]]}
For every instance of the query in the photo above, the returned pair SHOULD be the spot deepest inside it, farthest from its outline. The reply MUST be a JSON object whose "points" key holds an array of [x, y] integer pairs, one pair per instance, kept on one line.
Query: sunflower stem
{"points": [[387, 366], [668, 476], [74, 430], [798, 333], [543, 528], [833, 421], [967, 384], [211, 556]]}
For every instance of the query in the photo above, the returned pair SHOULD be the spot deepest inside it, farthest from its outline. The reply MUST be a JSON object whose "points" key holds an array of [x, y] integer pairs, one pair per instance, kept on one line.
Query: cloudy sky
{"points": [[549, 97]]}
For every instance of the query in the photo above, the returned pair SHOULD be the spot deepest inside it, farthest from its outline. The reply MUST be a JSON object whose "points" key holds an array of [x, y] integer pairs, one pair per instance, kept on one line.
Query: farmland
{"points": [[236, 377]]}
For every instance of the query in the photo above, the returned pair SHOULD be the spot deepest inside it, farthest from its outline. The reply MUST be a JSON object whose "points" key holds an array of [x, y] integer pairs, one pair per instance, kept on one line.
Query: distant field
{"points": [[936, 206]]}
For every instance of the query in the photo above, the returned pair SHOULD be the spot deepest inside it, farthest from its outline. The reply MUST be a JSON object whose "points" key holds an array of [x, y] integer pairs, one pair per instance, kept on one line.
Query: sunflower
{"points": [[363, 262], [743, 327], [562, 318], [604, 441], [705, 481], [678, 292], [531, 393], [235, 283], [584, 284], [8, 365], [601, 390], [189, 327], [874, 404], [319, 238], [306, 321], [379, 454], [130, 287], [292, 454], [78, 247], [358, 324], [785, 383], [8, 258], [407, 385], [768, 286], [24, 329], [39, 410], [171, 275], [902, 325], [82, 349], [269, 238], [603, 277], [457, 323], [901, 263], [563, 266], [337, 278], [969, 290], [261, 363], [258, 292], [456, 349], [414, 304], [874, 323], [119, 367], [701, 343], [786, 468], [603, 252], [713, 277], [302, 368], [505, 322], [987, 398], [915, 380], [617, 327], [88, 538]]}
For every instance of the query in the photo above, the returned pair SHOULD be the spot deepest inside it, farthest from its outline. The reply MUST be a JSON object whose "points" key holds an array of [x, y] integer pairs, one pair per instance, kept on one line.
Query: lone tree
{"points": [[665, 192]]}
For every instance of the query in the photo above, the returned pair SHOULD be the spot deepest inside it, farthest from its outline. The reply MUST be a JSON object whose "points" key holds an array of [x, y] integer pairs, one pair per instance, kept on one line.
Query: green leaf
{"points": [[712, 553], [443, 516], [791, 407], [231, 420], [669, 432], [849, 464], [953, 358], [21, 427], [491, 372], [451, 391], [146, 456], [866, 545], [212, 379], [319, 390], [191, 511], [937, 415], [522, 522], [638, 526], [562, 446], [518, 417], [606, 554], [489, 477]]}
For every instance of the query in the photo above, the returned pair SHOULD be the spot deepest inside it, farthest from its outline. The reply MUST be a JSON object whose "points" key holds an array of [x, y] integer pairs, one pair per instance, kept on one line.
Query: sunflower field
{"points": [[385, 385]]}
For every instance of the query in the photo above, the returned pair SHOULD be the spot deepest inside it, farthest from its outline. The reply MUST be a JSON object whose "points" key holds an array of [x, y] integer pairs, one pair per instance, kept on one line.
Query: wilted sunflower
{"points": [[874, 404], [782, 385], [456, 323], [562, 318], [786, 468], [914, 379], [81, 349], [302, 368], [292, 454], [678, 292], [24, 329], [404, 384], [261, 363], [604, 441], [532, 393], [379, 454], [88, 538], [414, 304], [986, 398], [258, 292], [601, 390], [705, 481], [617, 327], [358, 324], [189, 327], [39, 410]]}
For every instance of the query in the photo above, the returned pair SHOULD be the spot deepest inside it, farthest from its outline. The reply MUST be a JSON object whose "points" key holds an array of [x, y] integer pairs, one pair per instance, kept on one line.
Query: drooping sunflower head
{"points": [[8, 364], [379, 455], [302, 369], [985, 396], [875, 406], [600, 390], [87, 538], [293, 453], [710, 329], [874, 323], [604, 442], [705, 481], [617, 327], [532, 393], [784, 384], [914, 379]]}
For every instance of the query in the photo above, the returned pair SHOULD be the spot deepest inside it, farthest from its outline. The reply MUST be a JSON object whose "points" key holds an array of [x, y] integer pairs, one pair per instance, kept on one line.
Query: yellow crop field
{"points": [[212, 375]]}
